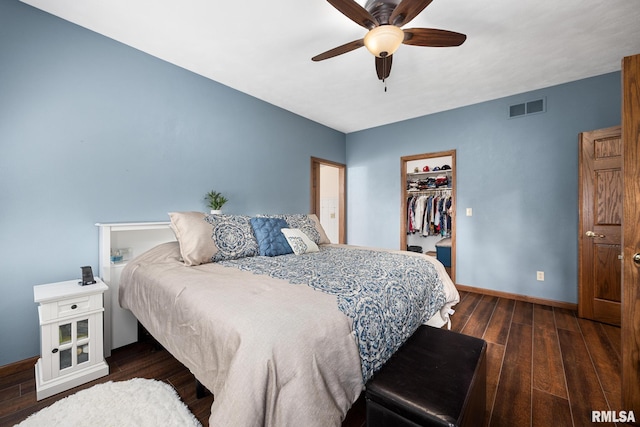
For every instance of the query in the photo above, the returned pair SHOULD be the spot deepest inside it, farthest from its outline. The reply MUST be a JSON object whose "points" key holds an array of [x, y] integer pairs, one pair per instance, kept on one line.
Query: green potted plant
{"points": [[215, 201]]}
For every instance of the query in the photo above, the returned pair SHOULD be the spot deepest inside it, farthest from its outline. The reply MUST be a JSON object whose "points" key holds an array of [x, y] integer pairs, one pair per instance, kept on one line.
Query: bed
{"points": [[287, 339]]}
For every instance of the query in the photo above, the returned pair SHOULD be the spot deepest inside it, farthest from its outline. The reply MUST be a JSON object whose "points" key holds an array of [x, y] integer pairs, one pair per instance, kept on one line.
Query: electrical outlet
{"points": [[540, 276]]}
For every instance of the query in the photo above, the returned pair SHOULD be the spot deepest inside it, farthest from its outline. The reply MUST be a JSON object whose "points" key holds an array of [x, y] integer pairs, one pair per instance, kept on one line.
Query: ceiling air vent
{"points": [[526, 108]]}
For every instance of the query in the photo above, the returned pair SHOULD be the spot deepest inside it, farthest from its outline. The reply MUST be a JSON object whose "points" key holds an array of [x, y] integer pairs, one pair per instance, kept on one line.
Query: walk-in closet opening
{"points": [[428, 215]]}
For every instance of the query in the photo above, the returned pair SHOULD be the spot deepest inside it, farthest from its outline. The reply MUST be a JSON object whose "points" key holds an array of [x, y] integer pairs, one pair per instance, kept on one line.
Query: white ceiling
{"points": [[264, 48]]}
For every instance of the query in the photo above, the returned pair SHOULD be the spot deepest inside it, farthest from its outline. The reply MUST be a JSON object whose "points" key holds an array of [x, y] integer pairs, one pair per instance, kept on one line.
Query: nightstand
{"points": [[71, 335]]}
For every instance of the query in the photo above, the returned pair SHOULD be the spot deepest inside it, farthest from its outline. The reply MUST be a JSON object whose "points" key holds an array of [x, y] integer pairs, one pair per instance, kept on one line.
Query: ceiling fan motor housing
{"points": [[381, 10]]}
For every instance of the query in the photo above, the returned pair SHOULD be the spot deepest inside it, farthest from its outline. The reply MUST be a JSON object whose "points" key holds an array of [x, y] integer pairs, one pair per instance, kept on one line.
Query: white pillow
{"points": [[299, 241]]}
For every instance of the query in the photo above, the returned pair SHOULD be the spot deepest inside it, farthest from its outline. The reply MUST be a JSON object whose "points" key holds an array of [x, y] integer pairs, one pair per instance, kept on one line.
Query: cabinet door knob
{"points": [[74, 306], [54, 351]]}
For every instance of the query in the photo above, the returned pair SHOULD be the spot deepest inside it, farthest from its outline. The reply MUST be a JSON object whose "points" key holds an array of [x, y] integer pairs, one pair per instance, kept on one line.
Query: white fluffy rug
{"points": [[137, 402]]}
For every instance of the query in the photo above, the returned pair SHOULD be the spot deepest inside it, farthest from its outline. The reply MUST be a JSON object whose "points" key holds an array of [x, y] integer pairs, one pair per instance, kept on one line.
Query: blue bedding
{"points": [[387, 295]]}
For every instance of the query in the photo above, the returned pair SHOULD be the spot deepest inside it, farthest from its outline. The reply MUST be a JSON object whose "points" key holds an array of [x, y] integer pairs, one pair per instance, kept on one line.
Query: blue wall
{"points": [[519, 175], [95, 131]]}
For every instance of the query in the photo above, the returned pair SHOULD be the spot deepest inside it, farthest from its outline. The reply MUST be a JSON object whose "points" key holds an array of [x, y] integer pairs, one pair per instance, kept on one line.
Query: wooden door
{"points": [[631, 236], [600, 241]]}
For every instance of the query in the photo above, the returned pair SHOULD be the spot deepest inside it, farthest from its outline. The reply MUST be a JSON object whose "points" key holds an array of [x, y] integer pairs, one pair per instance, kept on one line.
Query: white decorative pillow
{"points": [[299, 241]]}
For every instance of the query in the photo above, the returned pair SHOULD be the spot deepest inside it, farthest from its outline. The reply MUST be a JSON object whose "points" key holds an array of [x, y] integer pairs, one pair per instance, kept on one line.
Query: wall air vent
{"points": [[517, 110], [530, 107]]}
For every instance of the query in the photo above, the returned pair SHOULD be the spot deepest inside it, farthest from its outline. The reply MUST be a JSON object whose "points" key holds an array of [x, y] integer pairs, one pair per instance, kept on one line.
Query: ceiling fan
{"points": [[383, 19]]}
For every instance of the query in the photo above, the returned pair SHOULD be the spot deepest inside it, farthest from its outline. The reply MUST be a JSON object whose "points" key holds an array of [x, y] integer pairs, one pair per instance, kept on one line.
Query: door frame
{"points": [[630, 235], [403, 200], [315, 193]]}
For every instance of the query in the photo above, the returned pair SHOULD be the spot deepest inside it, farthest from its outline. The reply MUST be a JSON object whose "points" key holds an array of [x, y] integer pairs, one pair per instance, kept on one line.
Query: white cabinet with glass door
{"points": [[71, 325]]}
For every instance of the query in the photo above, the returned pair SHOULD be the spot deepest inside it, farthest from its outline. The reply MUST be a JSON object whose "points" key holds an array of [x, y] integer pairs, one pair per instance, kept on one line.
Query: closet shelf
{"points": [[430, 173], [429, 190]]}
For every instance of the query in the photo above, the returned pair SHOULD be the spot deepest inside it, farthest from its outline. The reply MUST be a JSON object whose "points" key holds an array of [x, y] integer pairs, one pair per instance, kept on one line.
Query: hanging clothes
{"points": [[429, 212]]}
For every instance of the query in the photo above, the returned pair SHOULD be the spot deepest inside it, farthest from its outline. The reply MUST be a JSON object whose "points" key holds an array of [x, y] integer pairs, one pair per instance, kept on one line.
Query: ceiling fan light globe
{"points": [[384, 40]]}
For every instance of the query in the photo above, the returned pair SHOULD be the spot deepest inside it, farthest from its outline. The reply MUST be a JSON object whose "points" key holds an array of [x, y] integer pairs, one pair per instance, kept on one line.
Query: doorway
{"points": [[431, 176], [328, 197]]}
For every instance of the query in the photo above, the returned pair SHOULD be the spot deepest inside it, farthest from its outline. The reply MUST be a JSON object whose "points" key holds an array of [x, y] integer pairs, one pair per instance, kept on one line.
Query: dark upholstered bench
{"points": [[437, 378]]}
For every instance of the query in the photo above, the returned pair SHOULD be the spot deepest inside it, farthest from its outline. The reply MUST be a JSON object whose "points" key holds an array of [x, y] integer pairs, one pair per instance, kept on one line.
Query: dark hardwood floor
{"points": [[545, 367]]}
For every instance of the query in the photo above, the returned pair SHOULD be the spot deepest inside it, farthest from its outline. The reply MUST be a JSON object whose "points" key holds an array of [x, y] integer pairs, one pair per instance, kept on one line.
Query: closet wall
{"points": [[428, 205]]}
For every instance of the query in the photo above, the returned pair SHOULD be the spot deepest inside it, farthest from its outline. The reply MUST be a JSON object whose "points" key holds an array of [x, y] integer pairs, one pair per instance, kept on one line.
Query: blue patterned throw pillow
{"points": [[271, 241], [233, 236]]}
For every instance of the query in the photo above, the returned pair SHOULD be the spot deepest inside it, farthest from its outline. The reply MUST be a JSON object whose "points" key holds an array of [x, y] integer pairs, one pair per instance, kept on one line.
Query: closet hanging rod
{"points": [[430, 191]]}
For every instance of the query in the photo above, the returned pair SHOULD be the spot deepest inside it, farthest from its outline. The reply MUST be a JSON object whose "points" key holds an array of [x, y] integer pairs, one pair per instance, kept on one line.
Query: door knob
{"points": [[592, 234], [636, 259]]}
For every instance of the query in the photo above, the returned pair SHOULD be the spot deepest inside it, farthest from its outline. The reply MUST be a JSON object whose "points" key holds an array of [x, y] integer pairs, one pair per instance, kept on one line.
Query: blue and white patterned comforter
{"points": [[386, 294]]}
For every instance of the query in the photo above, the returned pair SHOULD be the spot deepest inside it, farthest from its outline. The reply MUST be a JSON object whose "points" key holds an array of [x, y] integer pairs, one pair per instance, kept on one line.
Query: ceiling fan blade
{"points": [[355, 12], [347, 47], [432, 37], [383, 66], [407, 10]]}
